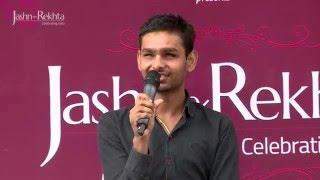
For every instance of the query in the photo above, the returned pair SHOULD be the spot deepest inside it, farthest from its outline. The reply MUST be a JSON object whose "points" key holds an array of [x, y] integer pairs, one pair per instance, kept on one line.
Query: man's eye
{"points": [[147, 55], [171, 55]]}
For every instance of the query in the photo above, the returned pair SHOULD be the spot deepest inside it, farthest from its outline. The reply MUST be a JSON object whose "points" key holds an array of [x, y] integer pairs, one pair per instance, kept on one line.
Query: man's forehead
{"points": [[162, 41], [161, 37]]}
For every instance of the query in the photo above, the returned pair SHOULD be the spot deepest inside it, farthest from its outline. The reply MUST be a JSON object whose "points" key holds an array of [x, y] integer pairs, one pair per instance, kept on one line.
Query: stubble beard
{"points": [[171, 88]]}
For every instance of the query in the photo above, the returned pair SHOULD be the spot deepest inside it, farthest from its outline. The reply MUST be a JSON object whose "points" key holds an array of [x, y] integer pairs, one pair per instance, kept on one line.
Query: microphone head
{"points": [[153, 78]]}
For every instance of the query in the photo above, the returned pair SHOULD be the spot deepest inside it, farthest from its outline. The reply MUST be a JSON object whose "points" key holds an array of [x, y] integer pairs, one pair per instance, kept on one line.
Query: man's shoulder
{"points": [[116, 116], [210, 114], [216, 121]]}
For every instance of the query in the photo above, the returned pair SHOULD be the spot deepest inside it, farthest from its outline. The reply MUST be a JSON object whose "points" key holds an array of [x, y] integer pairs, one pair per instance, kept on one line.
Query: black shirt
{"points": [[202, 146]]}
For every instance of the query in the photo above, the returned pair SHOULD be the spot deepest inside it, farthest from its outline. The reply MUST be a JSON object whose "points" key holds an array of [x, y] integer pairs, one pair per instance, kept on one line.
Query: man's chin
{"points": [[163, 88]]}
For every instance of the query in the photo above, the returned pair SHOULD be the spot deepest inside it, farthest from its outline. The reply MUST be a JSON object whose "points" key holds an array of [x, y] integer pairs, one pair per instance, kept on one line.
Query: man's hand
{"points": [[143, 108]]}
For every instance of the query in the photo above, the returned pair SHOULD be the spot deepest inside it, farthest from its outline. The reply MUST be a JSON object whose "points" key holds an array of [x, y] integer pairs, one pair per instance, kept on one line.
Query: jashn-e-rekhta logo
{"points": [[42, 17]]}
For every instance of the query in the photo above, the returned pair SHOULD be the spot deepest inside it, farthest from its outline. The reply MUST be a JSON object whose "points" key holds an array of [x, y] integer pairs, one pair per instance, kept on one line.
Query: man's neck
{"points": [[173, 104], [171, 110]]}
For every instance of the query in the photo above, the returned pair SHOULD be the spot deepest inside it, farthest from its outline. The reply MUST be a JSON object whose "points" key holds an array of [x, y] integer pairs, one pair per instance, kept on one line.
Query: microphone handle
{"points": [[142, 123]]}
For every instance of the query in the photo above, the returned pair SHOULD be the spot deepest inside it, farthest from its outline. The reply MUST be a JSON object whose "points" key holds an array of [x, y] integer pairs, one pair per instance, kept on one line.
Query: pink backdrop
{"points": [[275, 44]]}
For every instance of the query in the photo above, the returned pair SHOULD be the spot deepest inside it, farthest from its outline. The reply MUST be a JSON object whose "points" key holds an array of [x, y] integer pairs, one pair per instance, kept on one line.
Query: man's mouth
{"points": [[163, 77]]}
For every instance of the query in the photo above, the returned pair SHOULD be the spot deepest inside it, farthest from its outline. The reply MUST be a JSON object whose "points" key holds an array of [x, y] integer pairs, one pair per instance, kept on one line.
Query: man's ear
{"points": [[139, 59], [192, 60]]}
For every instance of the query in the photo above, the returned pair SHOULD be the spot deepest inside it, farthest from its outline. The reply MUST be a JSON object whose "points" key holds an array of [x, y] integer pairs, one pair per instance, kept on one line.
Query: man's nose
{"points": [[158, 63]]}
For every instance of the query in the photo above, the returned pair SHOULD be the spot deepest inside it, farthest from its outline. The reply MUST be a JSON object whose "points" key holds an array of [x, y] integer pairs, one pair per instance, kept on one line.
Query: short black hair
{"points": [[170, 23]]}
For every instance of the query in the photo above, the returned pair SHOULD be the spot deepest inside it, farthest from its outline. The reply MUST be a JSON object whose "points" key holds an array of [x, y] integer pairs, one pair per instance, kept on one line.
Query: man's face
{"points": [[164, 52]]}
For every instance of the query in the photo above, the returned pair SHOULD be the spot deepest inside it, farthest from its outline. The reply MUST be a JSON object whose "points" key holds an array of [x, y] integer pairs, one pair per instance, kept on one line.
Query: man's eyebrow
{"points": [[148, 50], [169, 50], [162, 50]]}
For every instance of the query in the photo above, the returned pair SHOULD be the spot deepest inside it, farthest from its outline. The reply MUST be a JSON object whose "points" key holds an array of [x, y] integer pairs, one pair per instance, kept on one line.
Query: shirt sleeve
{"points": [[117, 163], [225, 165]]}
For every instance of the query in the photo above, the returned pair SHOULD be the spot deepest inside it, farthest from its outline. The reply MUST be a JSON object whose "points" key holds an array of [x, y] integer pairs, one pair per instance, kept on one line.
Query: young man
{"points": [[184, 140]]}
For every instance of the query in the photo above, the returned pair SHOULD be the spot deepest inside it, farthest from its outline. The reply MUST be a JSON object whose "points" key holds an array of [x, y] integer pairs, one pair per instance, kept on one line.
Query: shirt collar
{"points": [[188, 105]]}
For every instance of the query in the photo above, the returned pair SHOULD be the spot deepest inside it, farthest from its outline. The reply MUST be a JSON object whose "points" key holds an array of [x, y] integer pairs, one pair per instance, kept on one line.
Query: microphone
{"points": [[151, 84]]}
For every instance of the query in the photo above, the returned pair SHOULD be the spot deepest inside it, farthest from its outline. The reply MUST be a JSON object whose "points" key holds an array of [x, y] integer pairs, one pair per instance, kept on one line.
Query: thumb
{"points": [[157, 102]]}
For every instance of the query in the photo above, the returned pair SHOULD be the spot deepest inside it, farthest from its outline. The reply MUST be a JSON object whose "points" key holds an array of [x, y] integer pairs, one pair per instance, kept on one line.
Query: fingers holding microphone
{"points": [[142, 114], [144, 109]]}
